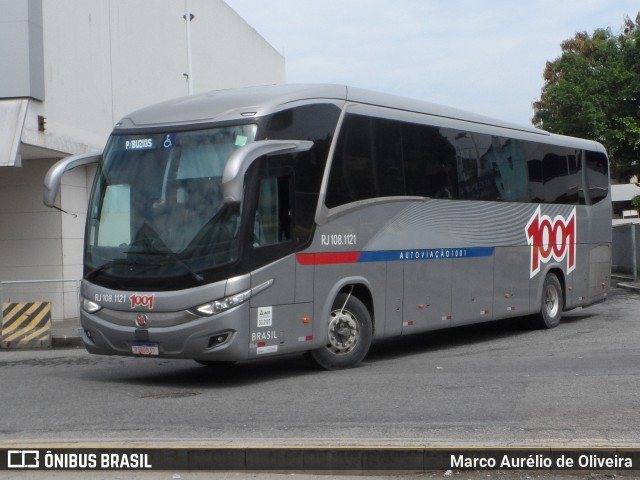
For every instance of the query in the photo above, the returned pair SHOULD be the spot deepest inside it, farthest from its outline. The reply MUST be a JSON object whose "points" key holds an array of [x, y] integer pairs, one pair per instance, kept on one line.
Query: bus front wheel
{"points": [[349, 334], [552, 303]]}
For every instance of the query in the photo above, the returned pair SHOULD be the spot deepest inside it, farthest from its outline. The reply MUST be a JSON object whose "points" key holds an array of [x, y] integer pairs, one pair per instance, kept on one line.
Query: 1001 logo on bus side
{"points": [[551, 238]]}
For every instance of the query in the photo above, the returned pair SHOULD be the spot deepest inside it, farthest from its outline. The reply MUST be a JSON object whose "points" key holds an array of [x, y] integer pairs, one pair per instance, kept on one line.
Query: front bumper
{"points": [[222, 337]]}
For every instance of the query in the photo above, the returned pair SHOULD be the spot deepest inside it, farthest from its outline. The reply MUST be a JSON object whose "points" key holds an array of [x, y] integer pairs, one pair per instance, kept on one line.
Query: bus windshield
{"points": [[157, 209]]}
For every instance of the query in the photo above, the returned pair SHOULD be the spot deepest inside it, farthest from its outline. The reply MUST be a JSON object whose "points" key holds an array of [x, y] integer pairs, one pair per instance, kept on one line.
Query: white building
{"points": [[621, 196], [70, 70]]}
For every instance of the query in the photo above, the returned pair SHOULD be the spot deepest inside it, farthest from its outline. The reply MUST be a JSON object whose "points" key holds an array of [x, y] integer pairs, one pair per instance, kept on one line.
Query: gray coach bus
{"points": [[263, 221]]}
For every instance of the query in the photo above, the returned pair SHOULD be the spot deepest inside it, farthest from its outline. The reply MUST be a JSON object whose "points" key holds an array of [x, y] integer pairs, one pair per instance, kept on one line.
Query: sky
{"points": [[484, 56]]}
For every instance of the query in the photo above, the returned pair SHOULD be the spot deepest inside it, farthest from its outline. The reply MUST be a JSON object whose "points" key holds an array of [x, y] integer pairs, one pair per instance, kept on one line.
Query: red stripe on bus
{"points": [[327, 258]]}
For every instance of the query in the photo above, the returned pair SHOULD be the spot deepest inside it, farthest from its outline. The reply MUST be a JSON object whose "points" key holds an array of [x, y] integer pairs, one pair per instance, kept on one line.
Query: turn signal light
{"points": [[89, 306]]}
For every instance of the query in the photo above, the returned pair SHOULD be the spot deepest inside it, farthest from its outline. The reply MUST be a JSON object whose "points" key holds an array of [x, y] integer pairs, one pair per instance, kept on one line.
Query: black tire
{"points": [[552, 304], [349, 334]]}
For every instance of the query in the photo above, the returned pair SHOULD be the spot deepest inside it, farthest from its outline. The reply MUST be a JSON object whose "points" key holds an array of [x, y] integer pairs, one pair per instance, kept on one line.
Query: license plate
{"points": [[145, 349]]}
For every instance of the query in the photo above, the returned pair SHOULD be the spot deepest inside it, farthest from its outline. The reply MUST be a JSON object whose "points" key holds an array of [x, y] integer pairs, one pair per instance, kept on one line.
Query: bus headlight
{"points": [[223, 304], [219, 306], [89, 306]]}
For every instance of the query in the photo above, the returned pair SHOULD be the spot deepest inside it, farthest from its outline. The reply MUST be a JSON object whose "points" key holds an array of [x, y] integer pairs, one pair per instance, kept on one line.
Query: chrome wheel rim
{"points": [[344, 332], [551, 301]]}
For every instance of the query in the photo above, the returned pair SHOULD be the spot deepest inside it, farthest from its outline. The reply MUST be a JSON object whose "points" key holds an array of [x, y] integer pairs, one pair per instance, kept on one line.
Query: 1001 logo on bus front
{"points": [[144, 301], [551, 238]]}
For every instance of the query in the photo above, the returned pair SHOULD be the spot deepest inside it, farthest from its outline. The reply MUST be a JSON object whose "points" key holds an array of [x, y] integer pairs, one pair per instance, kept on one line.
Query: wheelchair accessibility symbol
{"points": [[169, 141]]}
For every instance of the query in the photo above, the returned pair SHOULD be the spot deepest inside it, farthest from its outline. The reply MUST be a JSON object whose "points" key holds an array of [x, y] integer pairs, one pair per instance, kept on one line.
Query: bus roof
{"points": [[243, 103], [228, 105]]}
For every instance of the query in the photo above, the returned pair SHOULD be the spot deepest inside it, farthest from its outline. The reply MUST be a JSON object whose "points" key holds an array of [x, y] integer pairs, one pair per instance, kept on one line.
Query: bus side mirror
{"points": [[241, 160], [54, 176]]}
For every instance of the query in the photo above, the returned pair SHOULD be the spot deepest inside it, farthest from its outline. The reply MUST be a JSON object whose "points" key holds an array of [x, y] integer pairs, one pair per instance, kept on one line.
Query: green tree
{"points": [[593, 91]]}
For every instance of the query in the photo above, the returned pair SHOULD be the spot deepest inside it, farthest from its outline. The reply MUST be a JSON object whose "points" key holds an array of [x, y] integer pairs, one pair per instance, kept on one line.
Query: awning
{"points": [[624, 192], [12, 115]]}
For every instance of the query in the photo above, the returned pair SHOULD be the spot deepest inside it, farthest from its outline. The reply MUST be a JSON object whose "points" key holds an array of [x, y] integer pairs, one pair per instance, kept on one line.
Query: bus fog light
{"points": [[218, 339], [88, 336]]}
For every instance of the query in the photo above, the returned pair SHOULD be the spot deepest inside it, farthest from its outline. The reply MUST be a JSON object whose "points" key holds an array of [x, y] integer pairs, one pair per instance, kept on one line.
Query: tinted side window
{"points": [[476, 175], [378, 158], [597, 175], [382, 158], [554, 174], [310, 122], [575, 195], [506, 159], [272, 222], [352, 176], [429, 162], [387, 157]]}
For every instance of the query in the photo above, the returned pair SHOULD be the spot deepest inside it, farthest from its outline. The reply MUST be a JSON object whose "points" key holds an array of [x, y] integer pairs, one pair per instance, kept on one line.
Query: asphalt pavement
{"points": [[67, 334]]}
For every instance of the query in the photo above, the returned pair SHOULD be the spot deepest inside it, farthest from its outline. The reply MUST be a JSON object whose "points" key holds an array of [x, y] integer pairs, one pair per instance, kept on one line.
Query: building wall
{"points": [[30, 237], [39, 244], [21, 47], [101, 59], [104, 59], [31, 243]]}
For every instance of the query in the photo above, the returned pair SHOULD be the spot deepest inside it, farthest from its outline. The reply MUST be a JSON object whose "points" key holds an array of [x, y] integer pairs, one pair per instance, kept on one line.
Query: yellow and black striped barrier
{"points": [[26, 325]]}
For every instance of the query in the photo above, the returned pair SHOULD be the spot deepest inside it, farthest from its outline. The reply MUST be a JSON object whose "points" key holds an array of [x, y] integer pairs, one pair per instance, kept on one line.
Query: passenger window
{"points": [[352, 176], [597, 176], [505, 158], [377, 157], [556, 172], [575, 195], [388, 158], [429, 162], [476, 172], [317, 123], [553, 174], [272, 224]]}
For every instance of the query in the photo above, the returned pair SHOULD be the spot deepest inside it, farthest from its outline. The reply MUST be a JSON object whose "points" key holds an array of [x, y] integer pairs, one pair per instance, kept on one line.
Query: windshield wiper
{"points": [[105, 266], [150, 242]]}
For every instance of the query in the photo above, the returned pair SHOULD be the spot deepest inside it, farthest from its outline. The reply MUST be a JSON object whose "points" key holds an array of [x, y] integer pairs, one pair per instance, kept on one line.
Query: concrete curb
{"points": [[629, 286], [66, 341]]}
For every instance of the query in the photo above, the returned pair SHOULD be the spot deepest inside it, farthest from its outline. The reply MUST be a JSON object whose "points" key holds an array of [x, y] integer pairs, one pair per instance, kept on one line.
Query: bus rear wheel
{"points": [[349, 334], [552, 303]]}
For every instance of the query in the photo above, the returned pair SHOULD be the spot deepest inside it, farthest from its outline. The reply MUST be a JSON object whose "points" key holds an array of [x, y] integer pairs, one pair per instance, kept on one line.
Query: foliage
{"points": [[593, 91], [635, 202]]}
